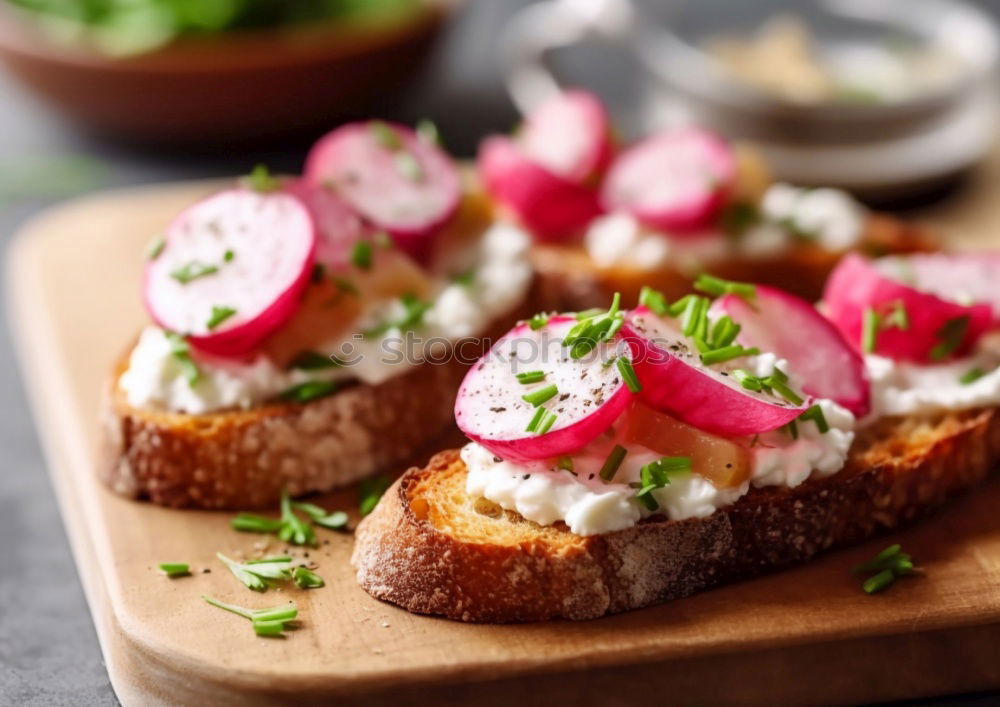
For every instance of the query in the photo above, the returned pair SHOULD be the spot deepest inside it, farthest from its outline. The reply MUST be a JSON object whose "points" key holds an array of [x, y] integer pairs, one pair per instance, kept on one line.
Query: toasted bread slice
{"points": [[571, 280], [243, 458], [432, 549]]}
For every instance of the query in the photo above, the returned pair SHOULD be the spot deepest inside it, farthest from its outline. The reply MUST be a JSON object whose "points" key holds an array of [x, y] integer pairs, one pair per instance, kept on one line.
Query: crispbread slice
{"points": [[432, 549]]}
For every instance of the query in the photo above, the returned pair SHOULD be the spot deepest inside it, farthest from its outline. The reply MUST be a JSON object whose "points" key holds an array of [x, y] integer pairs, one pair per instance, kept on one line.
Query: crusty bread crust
{"points": [[422, 552], [570, 280], [243, 458]]}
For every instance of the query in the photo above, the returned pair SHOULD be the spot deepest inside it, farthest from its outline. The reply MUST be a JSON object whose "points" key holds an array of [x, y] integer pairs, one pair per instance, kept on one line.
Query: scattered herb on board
{"points": [[266, 622], [259, 575], [370, 491], [175, 569], [885, 568], [291, 527]]}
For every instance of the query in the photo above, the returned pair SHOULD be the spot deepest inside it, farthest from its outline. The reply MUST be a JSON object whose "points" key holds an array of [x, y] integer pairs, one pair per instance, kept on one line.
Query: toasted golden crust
{"points": [[433, 550], [570, 280], [243, 458]]}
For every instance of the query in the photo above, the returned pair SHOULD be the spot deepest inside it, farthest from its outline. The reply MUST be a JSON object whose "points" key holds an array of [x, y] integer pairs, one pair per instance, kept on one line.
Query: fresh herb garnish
{"points": [[466, 279], [736, 218], [181, 352], [385, 135], [727, 353], [309, 391], [528, 377], [266, 622], [897, 318], [888, 565], [175, 569], [413, 315], [950, 337], [971, 376], [717, 287], [611, 464], [593, 328], [261, 180], [538, 321], [305, 578], [653, 300], [192, 271], [870, 322], [290, 527], [156, 247], [628, 375], [428, 132], [370, 491], [409, 166], [548, 420], [566, 464], [540, 396], [336, 520], [777, 382], [293, 529], [361, 255], [313, 361], [228, 256], [261, 574], [219, 315], [656, 475], [536, 420], [815, 413]]}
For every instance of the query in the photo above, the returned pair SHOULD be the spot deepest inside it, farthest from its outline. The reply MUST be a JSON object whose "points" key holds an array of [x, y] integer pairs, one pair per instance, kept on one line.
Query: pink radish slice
{"points": [[569, 135], [857, 285], [816, 351], [591, 395], [675, 381], [676, 180], [391, 177], [958, 277], [337, 226], [257, 252], [552, 207]]}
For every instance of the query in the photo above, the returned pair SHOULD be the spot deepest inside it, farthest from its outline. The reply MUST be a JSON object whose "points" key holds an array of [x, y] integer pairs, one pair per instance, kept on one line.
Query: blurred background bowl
{"points": [[229, 86]]}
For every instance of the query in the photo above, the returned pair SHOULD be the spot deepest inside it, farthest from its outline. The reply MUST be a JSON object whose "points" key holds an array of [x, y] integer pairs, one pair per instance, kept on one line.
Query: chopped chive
{"points": [[345, 285], [654, 300], [723, 332], [156, 247], [538, 321], [792, 428], [547, 422], [540, 396], [219, 315], [951, 335], [175, 569], [627, 372], [695, 315], [466, 278], [869, 330], [747, 380], [192, 271], [784, 391], [309, 391], [250, 523], [717, 287], [261, 180], [408, 165], [876, 583], [281, 614], [881, 561], [361, 255], [727, 353], [535, 420], [658, 474], [306, 579], [180, 350], [815, 413], [971, 376], [530, 377], [678, 307], [228, 256], [566, 464], [385, 135], [313, 361], [611, 464], [428, 132], [898, 318], [268, 628]]}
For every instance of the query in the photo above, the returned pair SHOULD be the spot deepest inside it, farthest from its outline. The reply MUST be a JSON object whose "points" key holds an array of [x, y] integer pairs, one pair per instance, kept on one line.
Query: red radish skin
{"points": [[569, 135], [337, 226], [858, 284], [272, 239], [676, 180], [551, 207], [962, 277], [394, 179], [675, 382], [817, 353], [489, 408]]}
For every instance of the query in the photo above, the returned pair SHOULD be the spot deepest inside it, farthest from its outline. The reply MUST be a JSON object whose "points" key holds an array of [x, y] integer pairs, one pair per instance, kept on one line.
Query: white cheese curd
{"points": [[901, 388], [500, 274], [829, 216]]}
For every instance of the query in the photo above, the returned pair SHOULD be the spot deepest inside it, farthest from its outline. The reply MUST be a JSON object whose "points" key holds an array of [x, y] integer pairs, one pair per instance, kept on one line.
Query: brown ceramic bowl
{"points": [[227, 87]]}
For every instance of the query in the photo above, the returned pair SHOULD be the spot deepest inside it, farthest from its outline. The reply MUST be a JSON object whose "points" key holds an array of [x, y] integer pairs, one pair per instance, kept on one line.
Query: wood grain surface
{"points": [[803, 636]]}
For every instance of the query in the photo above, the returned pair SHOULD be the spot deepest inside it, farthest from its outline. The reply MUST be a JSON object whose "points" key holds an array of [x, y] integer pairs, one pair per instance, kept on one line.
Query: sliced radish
{"points": [[393, 178], [238, 250], [966, 278], [675, 381], [794, 330], [569, 135], [904, 321], [552, 207], [590, 395], [338, 227], [676, 180]]}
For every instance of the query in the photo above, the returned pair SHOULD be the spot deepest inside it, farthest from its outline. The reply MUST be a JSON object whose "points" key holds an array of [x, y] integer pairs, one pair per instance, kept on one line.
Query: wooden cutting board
{"points": [[802, 636]]}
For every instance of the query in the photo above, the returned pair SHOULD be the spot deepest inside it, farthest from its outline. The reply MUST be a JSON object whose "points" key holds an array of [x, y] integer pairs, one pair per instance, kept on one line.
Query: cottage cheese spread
{"points": [[500, 277], [829, 217]]}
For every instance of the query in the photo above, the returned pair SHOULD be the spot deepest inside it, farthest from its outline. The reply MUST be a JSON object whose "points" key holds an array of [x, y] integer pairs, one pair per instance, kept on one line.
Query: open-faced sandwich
{"points": [[305, 329], [667, 208], [622, 458]]}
